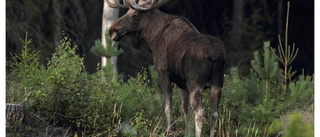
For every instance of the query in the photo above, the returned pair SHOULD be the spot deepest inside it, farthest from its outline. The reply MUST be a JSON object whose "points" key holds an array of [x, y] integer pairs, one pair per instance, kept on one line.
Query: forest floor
{"points": [[33, 126]]}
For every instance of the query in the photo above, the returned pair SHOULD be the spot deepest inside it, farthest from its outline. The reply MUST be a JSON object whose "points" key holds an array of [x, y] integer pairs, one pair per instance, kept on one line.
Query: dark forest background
{"points": [[242, 25]]}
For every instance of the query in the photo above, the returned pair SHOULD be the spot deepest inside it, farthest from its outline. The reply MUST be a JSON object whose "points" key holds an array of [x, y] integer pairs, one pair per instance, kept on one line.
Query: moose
{"points": [[181, 54]]}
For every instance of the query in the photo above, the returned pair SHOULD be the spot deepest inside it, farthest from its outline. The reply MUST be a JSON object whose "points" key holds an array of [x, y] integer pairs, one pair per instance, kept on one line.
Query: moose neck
{"points": [[157, 24]]}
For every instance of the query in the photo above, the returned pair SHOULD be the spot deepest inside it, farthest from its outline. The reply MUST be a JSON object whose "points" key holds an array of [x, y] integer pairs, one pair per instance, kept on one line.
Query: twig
{"points": [[65, 134], [25, 99], [35, 115], [68, 116]]}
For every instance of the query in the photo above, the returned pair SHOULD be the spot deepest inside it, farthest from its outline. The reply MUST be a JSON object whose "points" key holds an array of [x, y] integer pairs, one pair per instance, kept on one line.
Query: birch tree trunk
{"points": [[109, 15]]}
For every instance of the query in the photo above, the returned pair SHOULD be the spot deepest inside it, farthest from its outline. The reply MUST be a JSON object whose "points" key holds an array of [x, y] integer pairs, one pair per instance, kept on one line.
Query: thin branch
{"points": [[25, 99], [68, 116]]}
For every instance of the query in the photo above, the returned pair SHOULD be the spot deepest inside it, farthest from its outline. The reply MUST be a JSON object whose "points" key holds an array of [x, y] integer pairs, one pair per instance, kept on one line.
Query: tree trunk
{"points": [[14, 114], [108, 17]]}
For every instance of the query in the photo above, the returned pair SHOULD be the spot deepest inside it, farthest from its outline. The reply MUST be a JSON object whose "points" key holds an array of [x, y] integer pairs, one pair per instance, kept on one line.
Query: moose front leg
{"points": [[166, 89]]}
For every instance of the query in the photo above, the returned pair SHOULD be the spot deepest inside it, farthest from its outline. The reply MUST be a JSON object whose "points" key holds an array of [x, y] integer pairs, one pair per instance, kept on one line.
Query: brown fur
{"points": [[181, 55]]}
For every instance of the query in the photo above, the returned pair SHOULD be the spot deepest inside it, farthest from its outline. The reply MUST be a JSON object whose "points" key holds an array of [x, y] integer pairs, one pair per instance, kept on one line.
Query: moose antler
{"points": [[116, 4], [147, 4]]}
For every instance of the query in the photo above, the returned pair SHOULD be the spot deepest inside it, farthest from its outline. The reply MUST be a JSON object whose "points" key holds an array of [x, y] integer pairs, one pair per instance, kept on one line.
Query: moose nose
{"points": [[113, 35]]}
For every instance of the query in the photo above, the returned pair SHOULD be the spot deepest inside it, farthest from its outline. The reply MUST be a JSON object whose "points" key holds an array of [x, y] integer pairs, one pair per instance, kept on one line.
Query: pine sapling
{"points": [[267, 70], [286, 55], [109, 50]]}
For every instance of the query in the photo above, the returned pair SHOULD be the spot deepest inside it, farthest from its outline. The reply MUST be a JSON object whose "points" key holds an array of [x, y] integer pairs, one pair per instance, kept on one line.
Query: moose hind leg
{"points": [[185, 108], [166, 89], [196, 104], [168, 112], [214, 115]]}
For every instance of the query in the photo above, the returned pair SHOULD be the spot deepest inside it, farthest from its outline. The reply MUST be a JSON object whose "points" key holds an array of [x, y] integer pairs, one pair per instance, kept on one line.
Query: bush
{"points": [[63, 94], [298, 127], [24, 75]]}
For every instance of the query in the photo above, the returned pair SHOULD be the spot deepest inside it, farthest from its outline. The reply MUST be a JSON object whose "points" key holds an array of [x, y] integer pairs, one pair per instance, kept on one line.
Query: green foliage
{"points": [[136, 94], [257, 99], [268, 69], [65, 64], [62, 88], [234, 87], [245, 97], [109, 50], [275, 127], [226, 122], [26, 69], [64, 94], [249, 131], [286, 55], [298, 128], [301, 91]]}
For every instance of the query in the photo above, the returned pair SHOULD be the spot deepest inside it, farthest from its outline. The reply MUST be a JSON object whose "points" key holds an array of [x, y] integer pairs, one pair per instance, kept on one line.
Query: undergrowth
{"points": [[62, 94]]}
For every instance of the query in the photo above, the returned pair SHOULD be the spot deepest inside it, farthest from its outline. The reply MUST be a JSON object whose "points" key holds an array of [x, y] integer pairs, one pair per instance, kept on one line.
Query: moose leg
{"points": [[185, 108], [168, 111], [215, 92], [165, 87], [196, 104]]}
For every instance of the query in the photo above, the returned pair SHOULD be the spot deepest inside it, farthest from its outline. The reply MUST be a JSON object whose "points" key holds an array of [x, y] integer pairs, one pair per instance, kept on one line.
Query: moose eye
{"points": [[136, 16]]}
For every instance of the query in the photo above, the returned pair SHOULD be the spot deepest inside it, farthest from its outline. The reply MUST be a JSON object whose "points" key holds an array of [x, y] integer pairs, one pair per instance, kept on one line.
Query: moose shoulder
{"points": [[181, 55]]}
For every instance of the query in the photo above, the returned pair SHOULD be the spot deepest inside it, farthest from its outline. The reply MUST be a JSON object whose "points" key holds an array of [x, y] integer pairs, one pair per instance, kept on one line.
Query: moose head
{"points": [[135, 20]]}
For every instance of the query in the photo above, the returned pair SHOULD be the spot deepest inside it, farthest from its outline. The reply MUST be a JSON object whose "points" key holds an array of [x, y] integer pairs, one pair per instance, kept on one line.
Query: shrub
{"points": [[24, 75], [257, 101], [297, 126], [91, 104]]}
